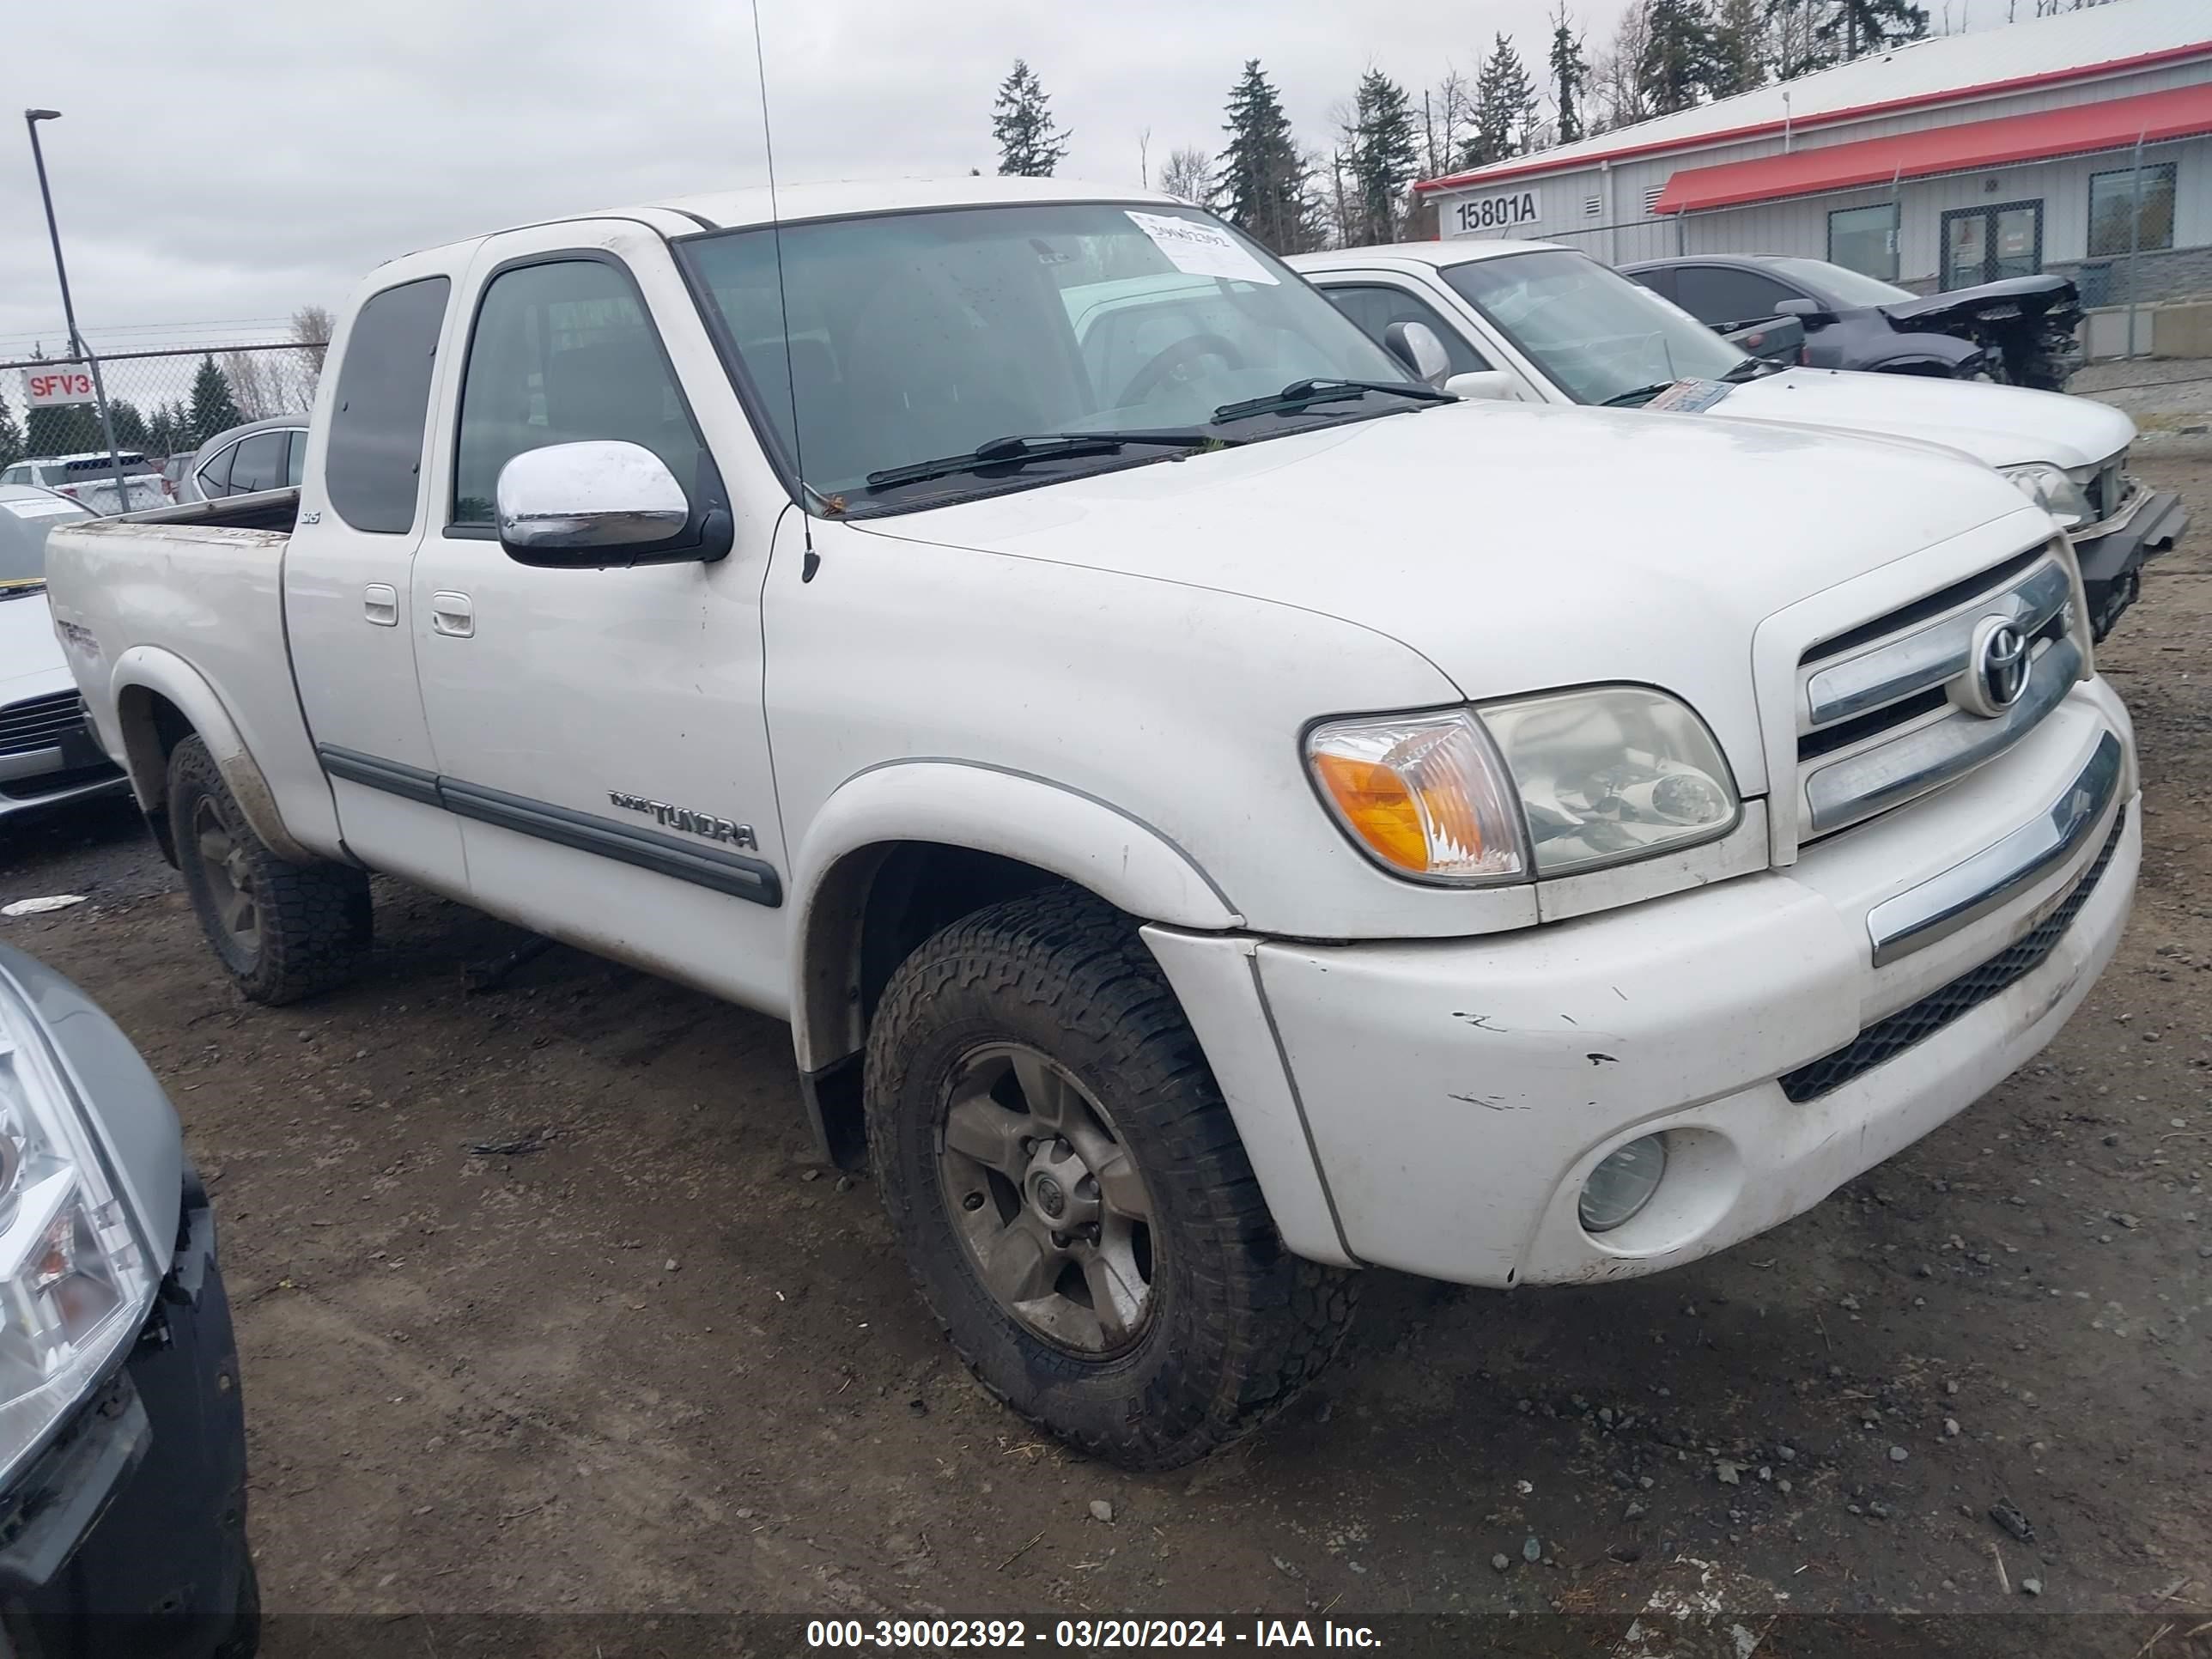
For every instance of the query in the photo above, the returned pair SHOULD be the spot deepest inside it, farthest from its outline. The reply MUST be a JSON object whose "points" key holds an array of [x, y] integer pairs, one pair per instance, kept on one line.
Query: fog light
{"points": [[1623, 1184]]}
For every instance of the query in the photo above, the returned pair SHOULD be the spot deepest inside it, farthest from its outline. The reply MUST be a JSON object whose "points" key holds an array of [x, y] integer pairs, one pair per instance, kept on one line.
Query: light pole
{"points": [[78, 349]]}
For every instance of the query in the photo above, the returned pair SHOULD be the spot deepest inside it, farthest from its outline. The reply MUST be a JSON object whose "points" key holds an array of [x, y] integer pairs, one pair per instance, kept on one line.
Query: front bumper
{"points": [[126, 1540], [1454, 1096], [2111, 560], [65, 766]]}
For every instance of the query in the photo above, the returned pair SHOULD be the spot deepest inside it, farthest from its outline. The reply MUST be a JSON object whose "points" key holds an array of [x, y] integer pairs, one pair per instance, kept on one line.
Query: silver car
{"points": [[89, 478], [260, 455], [47, 754]]}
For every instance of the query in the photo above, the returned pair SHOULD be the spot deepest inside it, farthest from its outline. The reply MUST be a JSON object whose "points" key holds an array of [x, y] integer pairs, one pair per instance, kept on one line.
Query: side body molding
{"points": [[1129, 863]]}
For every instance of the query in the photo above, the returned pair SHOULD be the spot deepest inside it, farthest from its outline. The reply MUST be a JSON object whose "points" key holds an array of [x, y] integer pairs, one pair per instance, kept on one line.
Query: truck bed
{"points": [[185, 606], [266, 509]]}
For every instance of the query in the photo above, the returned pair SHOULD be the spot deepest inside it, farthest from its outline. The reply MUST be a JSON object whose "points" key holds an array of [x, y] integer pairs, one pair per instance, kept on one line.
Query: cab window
{"points": [[1376, 306], [562, 353]]}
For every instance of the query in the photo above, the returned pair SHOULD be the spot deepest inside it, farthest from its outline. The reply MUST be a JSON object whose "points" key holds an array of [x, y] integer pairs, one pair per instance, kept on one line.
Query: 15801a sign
{"points": [[1505, 211], [45, 388]]}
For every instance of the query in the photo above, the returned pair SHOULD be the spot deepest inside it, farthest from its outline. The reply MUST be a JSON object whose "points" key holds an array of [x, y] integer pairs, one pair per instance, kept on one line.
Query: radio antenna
{"points": [[812, 561]]}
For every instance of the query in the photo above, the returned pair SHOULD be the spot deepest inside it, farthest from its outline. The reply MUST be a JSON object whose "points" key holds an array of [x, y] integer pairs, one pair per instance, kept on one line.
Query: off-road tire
{"points": [[314, 919], [1240, 1324]]}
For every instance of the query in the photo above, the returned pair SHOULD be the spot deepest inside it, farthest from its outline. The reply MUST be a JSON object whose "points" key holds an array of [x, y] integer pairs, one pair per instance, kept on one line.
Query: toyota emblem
{"points": [[1998, 671]]}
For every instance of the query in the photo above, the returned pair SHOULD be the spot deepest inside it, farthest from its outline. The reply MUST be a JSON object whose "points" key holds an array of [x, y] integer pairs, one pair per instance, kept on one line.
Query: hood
{"points": [[1517, 546], [2002, 425], [31, 660], [2031, 299]]}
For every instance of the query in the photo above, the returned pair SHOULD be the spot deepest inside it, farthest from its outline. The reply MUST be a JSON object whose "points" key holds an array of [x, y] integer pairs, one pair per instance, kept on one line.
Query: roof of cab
{"points": [[842, 198], [1458, 251]]}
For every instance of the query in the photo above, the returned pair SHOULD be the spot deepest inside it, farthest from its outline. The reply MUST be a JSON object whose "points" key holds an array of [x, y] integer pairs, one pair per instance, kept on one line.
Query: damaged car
{"points": [[2020, 330]]}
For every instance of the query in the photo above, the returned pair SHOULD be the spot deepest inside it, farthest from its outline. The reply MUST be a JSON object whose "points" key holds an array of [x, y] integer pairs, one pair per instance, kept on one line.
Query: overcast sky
{"points": [[224, 164]]}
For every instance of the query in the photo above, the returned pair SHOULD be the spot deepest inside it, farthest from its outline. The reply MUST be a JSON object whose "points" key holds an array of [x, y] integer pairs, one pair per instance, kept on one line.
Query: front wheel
{"points": [[1068, 1187], [284, 931]]}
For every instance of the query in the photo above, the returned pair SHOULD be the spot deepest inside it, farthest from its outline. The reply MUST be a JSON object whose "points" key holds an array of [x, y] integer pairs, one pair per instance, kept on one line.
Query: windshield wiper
{"points": [[1641, 394], [1299, 393], [1042, 446], [1753, 368]]}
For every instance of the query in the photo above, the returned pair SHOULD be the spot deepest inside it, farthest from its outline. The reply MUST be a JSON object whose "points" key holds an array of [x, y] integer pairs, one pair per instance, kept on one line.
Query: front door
{"points": [[600, 732], [1985, 244]]}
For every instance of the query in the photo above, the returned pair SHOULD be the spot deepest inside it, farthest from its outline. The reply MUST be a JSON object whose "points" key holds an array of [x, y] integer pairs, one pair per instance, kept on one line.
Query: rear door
{"points": [[362, 512]]}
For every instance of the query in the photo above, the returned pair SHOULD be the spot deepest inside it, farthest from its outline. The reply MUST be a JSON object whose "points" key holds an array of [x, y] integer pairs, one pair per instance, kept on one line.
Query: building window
{"points": [[2128, 209], [1864, 240]]}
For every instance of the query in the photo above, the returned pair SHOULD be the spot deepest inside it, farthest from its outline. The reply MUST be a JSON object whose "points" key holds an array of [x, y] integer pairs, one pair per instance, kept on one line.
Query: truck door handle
{"points": [[379, 603], [451, 614]]}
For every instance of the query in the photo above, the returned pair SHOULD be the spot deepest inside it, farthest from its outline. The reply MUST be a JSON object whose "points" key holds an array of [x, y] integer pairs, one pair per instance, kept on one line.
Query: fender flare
{"points": [[150, 669], [1074, 835]]}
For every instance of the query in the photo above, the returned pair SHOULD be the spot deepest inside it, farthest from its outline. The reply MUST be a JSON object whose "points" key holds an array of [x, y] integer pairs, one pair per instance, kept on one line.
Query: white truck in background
{"points": [[1542, 322], [1193, 865]]}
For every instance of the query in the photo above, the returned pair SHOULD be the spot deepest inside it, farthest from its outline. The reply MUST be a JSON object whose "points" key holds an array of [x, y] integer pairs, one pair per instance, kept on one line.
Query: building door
{"points": [[1985, 244]]}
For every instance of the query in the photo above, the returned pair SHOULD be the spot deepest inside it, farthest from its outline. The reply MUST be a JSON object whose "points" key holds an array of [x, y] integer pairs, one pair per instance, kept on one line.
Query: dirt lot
{"points": [[647, 1359]]}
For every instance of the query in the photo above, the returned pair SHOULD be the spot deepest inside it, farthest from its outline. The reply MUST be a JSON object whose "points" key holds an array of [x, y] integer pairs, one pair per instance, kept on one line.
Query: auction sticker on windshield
{"points": [[1201, 249], [1689, 396]]}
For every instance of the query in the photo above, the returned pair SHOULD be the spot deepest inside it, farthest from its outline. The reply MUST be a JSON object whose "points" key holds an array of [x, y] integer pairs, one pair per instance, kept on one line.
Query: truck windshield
{"points": [[1602, 337], [927, 337]]}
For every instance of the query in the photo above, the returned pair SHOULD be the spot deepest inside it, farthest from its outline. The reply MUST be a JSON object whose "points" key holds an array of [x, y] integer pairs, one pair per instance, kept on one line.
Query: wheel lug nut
{"points": [[973, 1201], [1059, 1241]]}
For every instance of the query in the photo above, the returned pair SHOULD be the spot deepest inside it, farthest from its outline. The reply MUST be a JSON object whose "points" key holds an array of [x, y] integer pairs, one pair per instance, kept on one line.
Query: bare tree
{"points": [[1145, 159], [1446, 110], [1618, 99], [1188, 173], [257, 387]]}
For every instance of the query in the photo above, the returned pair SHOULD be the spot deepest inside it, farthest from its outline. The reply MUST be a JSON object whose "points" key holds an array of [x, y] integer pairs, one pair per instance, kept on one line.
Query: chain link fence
{"points": [[163, 404]]}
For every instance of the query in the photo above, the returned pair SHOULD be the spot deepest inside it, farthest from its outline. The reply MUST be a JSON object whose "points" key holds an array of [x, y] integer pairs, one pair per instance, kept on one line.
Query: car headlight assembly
{"points": [[2049, 488], [1536, 787], [76, 1280]]}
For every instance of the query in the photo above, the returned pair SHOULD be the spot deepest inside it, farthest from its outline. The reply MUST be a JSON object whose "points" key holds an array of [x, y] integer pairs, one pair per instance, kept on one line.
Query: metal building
{"points": [[2079, 143]]}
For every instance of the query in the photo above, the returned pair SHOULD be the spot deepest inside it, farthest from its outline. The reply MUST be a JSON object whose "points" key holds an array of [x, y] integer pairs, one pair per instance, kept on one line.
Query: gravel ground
{"points": [[645, 1358]]}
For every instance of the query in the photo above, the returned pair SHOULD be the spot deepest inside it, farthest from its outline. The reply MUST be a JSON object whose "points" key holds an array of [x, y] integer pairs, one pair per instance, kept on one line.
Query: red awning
{"points": [[2182, 112]]}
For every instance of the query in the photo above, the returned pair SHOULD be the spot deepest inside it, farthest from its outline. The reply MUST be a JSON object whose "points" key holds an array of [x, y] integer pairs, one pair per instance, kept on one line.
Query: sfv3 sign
{"points": [[45, 388]]}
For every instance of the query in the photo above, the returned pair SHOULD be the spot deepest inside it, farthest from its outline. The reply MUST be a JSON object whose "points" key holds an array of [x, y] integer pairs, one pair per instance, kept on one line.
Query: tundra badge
{"points": [[692, 822]]}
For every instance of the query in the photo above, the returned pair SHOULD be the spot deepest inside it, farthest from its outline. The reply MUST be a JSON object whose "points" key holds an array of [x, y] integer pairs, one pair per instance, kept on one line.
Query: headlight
{"points": [[74, 1280], [2049, 488], [1547, 786], [1614, 773]]}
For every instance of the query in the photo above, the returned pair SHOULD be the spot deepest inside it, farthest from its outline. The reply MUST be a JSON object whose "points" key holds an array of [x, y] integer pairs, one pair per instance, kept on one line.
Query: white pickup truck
{"points": [[1194, 866], [1548, 324]]}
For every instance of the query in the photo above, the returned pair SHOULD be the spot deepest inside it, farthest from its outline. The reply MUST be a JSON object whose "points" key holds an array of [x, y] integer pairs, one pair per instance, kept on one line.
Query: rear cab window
{"points": [[373, 459]]}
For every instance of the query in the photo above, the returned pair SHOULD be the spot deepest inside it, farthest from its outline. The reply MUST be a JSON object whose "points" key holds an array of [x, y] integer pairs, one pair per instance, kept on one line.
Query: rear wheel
{"points": [[1070, 1191], [284, 931]]}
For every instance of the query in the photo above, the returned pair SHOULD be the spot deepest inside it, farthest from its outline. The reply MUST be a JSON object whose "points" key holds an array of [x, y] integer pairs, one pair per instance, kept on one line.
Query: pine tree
{"points": [[1857, 28], [11, 436], [130, 425], [1679, 58], [1262, 188], [1380, 160], [213, 408], [1739, 47], [62, 429], [1569, 75], [1029, 145], [1504, 97]]}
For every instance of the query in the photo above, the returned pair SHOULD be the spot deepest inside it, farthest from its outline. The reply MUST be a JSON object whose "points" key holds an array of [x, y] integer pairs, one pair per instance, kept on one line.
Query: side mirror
{"points": [[1777, 339], [600, 503], [1483, 383], [1416, 345], [1812, 311]]}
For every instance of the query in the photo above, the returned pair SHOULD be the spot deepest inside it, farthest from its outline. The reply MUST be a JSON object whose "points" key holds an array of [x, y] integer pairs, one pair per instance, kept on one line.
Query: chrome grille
{"points": [[39, 722], [1886, 712]]}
